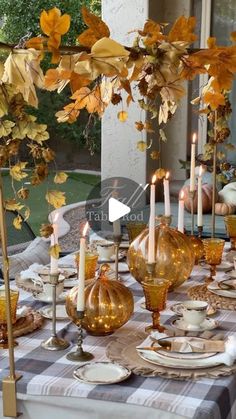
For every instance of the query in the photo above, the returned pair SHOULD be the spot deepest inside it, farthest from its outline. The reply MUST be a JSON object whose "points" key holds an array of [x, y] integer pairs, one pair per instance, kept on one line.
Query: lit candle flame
{"points": [[194, 139], [85, 229], [181, 196], [167, 176], [154, 178]]}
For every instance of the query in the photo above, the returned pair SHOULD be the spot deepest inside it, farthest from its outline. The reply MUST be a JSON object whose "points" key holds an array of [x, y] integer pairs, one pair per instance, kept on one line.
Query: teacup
{"points": [[105, 251], [194, 312], [48, 289]]}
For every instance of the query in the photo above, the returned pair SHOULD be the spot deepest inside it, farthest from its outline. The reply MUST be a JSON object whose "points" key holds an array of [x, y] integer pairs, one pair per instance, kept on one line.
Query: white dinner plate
{"points": [[214, 287], [61, 313], [46, 299], [101, 373], [192, 363], [207, 324]]}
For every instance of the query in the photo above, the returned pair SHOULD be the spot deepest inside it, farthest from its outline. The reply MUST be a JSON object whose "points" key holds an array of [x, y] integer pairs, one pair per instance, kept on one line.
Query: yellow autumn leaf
{"points": [[97, 29], [46, 230], [56, 198], [60, 177], [155, 155], [26, 213], [17, 222], [182, 30], [213, 99], [54, 251], [16, 171], [122, 116], [6, 127], [160, 173], [12, 205], [141, 146]]}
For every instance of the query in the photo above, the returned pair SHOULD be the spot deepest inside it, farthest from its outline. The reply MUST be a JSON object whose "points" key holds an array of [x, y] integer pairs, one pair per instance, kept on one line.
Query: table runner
{"points": [[50, 373]]}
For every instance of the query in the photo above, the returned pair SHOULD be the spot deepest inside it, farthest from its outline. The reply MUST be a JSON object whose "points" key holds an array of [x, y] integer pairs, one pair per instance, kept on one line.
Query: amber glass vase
{"points": [[213, 249], [14, 295], [108, 304], [174, 255], [230, 225]]}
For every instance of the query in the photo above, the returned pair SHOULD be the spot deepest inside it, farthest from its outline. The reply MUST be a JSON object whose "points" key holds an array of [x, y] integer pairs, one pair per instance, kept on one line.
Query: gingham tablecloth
{"points": [[50, 373]]}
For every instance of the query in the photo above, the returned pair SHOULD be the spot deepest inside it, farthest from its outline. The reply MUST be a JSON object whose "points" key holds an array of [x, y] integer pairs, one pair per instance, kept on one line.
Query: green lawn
{"points": [[77, 188]]}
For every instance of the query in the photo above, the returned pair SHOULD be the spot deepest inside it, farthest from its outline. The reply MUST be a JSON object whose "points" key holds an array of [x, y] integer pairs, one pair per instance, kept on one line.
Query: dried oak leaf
{"points": [[97, 29]]}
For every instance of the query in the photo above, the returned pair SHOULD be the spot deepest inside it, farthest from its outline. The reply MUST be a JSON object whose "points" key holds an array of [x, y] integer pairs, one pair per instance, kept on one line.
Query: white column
{"points": [[119, 155]]}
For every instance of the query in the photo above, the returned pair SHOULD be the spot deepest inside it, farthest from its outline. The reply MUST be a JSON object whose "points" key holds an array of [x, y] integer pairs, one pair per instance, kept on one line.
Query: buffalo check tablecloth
{"points": [[48, 373]]}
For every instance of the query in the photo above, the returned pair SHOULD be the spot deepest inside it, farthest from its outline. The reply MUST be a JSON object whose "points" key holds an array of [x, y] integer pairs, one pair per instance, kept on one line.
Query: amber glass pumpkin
{"points": [[174, 255], [206, 198], [108, 305]]}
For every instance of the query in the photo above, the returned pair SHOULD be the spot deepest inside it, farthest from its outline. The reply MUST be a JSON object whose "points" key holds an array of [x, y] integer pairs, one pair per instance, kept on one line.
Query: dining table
{"points": [[48, 389]]}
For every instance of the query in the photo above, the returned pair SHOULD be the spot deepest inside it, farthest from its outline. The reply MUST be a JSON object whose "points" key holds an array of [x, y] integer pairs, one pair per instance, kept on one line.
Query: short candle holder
{"points": [[192, 195], [54, 343], [80, 355], [117, 241]]}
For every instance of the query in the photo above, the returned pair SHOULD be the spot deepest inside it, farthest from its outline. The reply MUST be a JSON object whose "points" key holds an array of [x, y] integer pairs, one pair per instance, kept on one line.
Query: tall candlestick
{"points": [[167, 194], [192, 167], [54, 241], [151, 233], [181, 213], [80, 295], [199, 198]]}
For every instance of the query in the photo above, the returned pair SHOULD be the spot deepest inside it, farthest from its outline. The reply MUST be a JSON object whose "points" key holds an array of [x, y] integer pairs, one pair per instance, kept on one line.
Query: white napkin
{"points": [[228, 357], [32, 273]]}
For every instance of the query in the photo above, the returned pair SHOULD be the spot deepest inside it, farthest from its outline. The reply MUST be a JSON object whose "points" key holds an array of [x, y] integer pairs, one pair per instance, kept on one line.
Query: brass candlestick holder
{"points": [[117, 241], [54, 343], [80, 355], [8, 383], [155, 292], [192, 196]]}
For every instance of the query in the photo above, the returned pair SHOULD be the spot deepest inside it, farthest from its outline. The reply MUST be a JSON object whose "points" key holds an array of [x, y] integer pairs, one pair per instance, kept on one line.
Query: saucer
{"points": [[61, 313], [121, 255], [98, 373], [46, 299], [207, 324]]}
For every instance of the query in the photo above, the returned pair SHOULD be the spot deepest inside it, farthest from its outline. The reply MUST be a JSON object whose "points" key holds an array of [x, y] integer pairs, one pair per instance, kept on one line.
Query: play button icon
{"points": [[117, 210]]}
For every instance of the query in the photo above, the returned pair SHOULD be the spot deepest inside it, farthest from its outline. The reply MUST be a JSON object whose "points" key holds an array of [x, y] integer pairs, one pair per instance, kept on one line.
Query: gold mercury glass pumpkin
{"points": [[108, 304], [174, 255]]}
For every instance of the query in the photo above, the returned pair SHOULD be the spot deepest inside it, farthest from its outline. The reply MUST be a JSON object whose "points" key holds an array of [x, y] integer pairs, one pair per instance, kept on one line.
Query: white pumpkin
{"points": [[228, 194], [221, 208]]}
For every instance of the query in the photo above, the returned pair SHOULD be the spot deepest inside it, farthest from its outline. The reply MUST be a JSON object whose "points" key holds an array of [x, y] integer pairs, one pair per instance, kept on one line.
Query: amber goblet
{"points": [[230, 225], [134, 229], [90, 264], [155, 292], [213, 249], [14, 295]]}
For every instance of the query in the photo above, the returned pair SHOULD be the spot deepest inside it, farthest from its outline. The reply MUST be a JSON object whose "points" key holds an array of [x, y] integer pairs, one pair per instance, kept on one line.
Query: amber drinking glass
{"points": [[134, 229], [213, 249], [230, 225], [14, 295], [155, 292], [90, 264]]}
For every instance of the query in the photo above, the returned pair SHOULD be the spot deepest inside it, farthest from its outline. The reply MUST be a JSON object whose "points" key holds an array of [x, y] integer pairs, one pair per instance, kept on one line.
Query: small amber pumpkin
{"points": [[221, 208], [206, 198], [108, 304]]}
